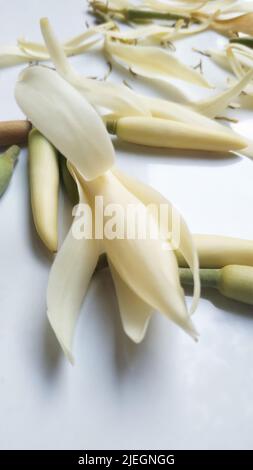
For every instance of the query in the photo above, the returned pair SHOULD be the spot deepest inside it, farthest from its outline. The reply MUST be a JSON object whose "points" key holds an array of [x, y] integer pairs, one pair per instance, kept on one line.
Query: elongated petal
{"points": [[239, 24], [177, 112], [235, 63], [68, 282], [39, 51], [78, 40], [117, 98], [12, 55], [239, 7], [27, 51], [215, 105], [58, 111], [152, 62], [156, 33], [225, 6], [186, 247], [149, 269], [171, 7], [219, 57], [135, 314]]}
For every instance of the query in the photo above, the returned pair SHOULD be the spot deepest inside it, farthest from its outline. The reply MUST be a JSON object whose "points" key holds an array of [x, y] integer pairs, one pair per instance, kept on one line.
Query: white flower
{"points": [[145, 275]]}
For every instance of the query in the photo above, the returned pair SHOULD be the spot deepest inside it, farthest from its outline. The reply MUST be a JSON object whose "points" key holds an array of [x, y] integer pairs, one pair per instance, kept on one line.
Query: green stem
{"points": [[208, 277], [111, 126], [244, 41], [7, 162], [142, 15], [68, 181], [133, 14], [11, 153]]}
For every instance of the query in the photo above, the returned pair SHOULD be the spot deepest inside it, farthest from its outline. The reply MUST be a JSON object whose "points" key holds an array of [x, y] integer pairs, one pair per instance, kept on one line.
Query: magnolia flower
{"points": [[145, 274]]}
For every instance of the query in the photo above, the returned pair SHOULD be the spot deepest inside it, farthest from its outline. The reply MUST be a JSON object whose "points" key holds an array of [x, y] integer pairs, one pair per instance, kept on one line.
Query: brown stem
{"points": [[14, 132]]}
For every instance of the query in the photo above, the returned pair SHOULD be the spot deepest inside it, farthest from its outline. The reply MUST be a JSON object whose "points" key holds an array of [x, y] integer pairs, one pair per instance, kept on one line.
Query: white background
{"points": [[168, 392]]}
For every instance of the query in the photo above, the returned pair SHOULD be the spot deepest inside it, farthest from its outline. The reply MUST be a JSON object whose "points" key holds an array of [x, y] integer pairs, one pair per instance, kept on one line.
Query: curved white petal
{"points": [[186, 246], [148, 267], [153, 62], [177, 112], [117, 98], [12, 55], [154, 33], [68, 282], [27, 51], [134, 312], [215, 105], [66, 119]]}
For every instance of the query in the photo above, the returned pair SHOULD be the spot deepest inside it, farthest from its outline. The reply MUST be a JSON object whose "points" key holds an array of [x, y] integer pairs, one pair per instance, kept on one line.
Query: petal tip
{"points": [[66, 350]]}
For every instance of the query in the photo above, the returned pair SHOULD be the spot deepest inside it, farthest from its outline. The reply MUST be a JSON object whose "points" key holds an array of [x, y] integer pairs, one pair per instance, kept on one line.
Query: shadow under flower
{"points": [[220, 301], [175, 156]]}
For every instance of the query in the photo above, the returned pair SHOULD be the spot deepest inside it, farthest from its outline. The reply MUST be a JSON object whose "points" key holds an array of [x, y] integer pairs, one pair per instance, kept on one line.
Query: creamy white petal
{"points": [[66, 119], [12, 55], [156, 33], [149, 195], [153, 62], [117, 98], [134, 312], [177, 112], [215, 105], [149, 269], [68, 282], [26, 51]]}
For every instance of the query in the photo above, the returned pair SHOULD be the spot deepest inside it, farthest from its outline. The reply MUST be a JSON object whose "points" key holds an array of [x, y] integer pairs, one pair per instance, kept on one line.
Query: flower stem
{"points": [[137, 15], [111, 126], [12, 153], [7, 162], [244, 41], [14, 132], [208, 277], [142, 15]]}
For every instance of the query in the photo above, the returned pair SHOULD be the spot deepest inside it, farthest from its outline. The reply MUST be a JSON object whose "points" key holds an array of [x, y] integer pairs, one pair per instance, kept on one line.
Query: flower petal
{"points": [[13, 55], [27, 51], [155, 33], [238, 24], [147, 266], [117, 98], [186, 246], [135, 313], [215, 105], [177, 112], [68, 282], [153, 62], [66, 119]]}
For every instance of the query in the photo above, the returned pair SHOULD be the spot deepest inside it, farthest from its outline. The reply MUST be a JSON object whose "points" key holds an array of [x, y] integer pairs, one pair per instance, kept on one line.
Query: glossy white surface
{"points": [[168, 392]]}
